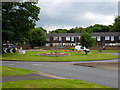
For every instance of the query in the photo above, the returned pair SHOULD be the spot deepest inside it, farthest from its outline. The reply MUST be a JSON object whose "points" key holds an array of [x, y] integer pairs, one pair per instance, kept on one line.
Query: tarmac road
{"points": [[70, 71]]}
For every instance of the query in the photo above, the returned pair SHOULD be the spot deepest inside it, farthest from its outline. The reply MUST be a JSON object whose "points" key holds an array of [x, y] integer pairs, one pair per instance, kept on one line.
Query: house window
{"points": [[67, 38], [93, 36], [98, 38], [112, 38], [72, 38], [106, 44], [47, 44], [107, 37], [60, 38], [47, 39], [55, 38]]}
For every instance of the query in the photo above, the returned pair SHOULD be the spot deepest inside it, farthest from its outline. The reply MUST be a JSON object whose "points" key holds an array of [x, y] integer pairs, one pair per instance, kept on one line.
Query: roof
{"points": [[78, 34]]}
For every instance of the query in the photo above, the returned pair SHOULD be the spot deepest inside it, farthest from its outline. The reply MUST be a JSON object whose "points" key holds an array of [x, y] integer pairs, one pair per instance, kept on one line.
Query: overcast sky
{"points": [[61, 14]]}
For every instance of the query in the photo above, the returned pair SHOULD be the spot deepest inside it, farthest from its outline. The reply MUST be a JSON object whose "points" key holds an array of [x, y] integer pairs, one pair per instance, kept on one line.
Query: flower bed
{"points": [[35, 50], [53, 54], [73, 51]]}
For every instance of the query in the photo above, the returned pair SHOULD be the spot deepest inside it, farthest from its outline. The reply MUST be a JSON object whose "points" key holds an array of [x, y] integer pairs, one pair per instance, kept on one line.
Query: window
{"points": [[112, 38], [111, 44], [106, 44], [47, 44], [114, 44], [47, 39], [60, 38], [107, 37], [72, 38], [55, 38], [93, 36], [98, 38], [67, 38]]}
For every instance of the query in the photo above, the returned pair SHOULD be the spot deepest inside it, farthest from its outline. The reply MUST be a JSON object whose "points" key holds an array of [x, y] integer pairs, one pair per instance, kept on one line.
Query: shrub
{"points": [[73, 49], [35, 47]]}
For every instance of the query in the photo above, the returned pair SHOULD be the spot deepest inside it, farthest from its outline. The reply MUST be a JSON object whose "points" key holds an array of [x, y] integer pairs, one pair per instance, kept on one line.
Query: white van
{"points": [[78, 47]]}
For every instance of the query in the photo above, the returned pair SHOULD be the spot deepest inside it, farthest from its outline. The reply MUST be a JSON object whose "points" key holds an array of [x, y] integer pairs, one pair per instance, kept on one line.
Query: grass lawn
{"points": [[51, 83], [111, 51], [9, 71], [75, 56]]}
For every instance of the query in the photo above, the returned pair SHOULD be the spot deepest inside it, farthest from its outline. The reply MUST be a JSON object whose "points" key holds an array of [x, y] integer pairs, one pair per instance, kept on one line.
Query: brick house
{"points": [[72, 39]]}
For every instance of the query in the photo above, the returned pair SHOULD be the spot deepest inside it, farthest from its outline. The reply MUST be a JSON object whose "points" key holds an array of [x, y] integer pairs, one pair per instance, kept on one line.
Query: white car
{"points": [[78, 47]]}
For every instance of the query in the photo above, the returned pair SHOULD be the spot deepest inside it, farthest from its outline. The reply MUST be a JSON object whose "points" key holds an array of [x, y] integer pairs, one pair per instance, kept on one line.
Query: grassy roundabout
{"points": [[111, 51], [51, 83], [75, 56], [10, 71]]}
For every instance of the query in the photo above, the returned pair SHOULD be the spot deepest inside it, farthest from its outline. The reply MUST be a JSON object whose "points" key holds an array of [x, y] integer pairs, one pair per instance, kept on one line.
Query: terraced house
{"points": [[72, 39]]}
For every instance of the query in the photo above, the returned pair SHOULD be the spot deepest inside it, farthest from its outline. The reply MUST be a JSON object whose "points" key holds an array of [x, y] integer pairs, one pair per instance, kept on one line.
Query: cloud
{"points": [[78, 1], [99, 18], [67, 15], [54, 27]]}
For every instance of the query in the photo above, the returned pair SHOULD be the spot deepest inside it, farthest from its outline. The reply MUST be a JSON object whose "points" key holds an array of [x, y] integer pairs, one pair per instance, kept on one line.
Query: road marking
{"points": [[49, 75], [10, 64], [37, 64]]}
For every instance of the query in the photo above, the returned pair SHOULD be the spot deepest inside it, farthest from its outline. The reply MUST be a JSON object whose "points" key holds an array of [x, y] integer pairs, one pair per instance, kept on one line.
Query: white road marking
{"points": [[37, 64]]}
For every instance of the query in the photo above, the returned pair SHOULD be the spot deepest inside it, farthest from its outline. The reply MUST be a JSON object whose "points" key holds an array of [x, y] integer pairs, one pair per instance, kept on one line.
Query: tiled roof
{"points": [[78, 34]]}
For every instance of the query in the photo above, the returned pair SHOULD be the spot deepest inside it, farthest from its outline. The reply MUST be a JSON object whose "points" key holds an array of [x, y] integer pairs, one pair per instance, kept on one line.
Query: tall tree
{"points": [[37, 37], [116, 25], [17, 19], [86, 39]]}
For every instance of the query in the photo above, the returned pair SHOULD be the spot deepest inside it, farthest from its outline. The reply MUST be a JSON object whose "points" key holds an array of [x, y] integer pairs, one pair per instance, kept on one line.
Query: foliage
{"points": [[75, 30], [86, 39], [59, 31], [101, 28], [89, 29], [73, 48], [37, 37], [116, 25], [35, 47], [17, 19]]}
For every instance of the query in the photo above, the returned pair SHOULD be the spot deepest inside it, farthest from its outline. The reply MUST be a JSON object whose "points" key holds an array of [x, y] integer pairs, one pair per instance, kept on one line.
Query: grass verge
{"points": [[10, 71], [51, 83], [111, 51], [75, 56]]}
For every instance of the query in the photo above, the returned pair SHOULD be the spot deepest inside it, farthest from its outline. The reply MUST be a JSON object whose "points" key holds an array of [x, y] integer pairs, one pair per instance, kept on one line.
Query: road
{"points": [[70, 71]]}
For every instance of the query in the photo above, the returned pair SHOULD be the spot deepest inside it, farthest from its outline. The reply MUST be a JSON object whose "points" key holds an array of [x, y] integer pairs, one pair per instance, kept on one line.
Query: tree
{"points": [[116, 25], [37, 37], [59, 31], [86, 39], [17, 19]]}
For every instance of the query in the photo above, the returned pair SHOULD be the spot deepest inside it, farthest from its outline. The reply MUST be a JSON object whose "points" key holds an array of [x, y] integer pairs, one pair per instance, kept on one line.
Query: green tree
{"points": [[86, 39], [59, 31], [17, 19], [37, 37], [75, 30], [116, 25]]}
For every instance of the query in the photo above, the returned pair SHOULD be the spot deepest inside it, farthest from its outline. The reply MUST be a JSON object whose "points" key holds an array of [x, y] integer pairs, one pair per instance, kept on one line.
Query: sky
{"points": [[66, 14]]}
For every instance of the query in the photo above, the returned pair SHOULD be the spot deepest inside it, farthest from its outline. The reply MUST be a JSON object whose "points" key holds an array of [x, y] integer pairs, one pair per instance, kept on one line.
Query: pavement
{"points": [[70, 71], [31, 76]]}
